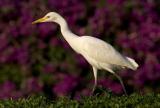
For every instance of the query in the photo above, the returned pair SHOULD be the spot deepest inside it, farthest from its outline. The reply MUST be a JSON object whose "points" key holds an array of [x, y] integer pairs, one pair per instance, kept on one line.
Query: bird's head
{"points": [[49, 17]]}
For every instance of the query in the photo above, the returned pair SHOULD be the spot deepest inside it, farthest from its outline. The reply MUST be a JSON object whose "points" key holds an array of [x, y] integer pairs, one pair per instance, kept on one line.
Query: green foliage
{"points": [[11, 72], [106, 100]]}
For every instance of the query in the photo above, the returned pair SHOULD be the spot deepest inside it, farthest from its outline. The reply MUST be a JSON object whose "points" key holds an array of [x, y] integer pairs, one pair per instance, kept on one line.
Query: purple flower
{"points": [[65, 86], [81, 61], [115, 2], [54, 42], [3, 42], [132, 26], [32, 85], [41, 44], [8, 90], [46, 32], [20, 55], [49, 68]]}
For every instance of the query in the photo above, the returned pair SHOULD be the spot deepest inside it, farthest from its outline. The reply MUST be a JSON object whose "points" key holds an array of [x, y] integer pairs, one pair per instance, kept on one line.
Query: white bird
{"points": [[98, 53]]}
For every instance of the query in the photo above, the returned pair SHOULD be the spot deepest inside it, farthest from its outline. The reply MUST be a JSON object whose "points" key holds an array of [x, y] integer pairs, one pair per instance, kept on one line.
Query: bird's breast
{"points": [[92, 61], [76, 45]]}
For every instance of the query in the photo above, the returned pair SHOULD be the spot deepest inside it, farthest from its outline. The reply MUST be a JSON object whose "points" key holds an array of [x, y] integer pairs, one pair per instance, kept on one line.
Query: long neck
{"points": [[67, 34]]}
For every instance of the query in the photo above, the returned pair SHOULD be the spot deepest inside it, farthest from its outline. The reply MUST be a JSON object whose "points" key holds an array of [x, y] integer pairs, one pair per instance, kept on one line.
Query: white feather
{"points": [[98, 53], [135, 65]]}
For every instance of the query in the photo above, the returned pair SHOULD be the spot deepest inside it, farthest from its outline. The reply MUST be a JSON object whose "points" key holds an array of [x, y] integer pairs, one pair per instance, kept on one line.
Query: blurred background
{"points": [[35, 59]]}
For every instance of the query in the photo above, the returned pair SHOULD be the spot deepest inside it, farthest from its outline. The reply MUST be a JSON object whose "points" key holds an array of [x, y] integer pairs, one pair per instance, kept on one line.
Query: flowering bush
{"points": [[34, 60]]}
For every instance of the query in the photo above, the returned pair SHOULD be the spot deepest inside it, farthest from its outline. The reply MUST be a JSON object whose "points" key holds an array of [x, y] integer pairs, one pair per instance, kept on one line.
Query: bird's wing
{"points": [[102, 51]]}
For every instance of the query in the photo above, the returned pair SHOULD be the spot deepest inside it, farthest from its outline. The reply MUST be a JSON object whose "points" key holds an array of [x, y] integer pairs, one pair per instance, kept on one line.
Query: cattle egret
{"points": [[98, 53]]}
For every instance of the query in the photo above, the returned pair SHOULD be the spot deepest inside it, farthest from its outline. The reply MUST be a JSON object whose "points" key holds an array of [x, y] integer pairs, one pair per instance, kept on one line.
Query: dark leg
{"points": [[119, 78]]}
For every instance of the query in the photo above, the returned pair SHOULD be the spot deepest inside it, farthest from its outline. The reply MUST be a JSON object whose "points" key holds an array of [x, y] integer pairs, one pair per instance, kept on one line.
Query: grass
{"points": [[107, 100]]}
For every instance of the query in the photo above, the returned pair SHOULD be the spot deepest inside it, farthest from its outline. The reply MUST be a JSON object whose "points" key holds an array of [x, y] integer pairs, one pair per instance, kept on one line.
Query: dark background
{"points": [[35, 59]]}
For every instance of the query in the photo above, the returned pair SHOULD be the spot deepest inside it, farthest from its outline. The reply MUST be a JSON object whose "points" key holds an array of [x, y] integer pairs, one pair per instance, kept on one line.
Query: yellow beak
{"points": [[39, 20]]}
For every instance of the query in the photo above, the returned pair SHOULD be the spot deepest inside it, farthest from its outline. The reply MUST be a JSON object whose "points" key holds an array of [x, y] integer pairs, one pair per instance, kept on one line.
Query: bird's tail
{"points": [[134, 65]]}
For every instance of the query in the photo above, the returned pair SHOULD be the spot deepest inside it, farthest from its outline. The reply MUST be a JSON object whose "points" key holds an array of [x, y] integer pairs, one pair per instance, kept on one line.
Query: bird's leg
{"points": [[119, 78], [95, 79]]}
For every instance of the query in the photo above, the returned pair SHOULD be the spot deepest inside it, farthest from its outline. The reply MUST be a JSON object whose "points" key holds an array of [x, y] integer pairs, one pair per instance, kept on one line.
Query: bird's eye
{"points": [[48, 16]]}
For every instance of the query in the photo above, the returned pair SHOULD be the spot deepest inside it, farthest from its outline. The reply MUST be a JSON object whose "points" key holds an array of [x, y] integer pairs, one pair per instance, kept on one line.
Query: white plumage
{"points": [[98, 53]]}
